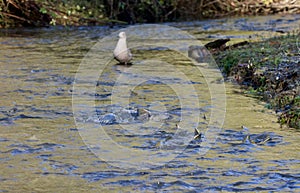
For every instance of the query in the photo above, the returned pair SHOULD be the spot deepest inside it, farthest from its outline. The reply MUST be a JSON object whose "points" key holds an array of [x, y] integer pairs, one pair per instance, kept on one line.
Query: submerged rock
{"points": [[199, 54], [132, 116], [108, 119], [260, 138]]}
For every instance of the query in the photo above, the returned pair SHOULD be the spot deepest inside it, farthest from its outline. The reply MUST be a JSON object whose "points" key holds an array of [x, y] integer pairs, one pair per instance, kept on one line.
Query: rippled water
{"points": [[43, 143]]}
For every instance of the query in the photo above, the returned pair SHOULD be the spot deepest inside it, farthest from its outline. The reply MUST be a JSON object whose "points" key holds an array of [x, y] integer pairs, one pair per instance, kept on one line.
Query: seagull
{"points": [[121, 52]]}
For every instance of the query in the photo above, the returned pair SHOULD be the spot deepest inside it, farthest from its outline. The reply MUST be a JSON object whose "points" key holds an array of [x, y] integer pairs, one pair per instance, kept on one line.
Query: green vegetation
{"points": [[74, 12], [14, 13], [269, 69], [269, 53]]}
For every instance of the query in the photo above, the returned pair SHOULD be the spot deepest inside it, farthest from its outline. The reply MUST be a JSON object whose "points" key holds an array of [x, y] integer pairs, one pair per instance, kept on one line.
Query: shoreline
{"points": [[269, 70]]}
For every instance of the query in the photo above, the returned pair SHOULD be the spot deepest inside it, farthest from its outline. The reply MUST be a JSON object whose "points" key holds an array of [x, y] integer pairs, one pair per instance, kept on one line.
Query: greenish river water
{"points": [[59, 85]]}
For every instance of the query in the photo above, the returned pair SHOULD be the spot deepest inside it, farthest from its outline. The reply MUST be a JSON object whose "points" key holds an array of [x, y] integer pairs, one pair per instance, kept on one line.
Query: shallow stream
{"points": [[65, 126]]}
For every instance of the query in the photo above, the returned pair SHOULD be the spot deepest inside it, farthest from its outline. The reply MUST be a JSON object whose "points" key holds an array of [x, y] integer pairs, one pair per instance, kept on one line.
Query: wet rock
{"points": [[108, 119], [199, 54], [131, 116], [260, 138]]}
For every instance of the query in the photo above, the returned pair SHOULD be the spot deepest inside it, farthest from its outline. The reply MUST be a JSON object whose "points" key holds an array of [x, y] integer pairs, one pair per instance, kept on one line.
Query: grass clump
{"points": [[269, 69]]}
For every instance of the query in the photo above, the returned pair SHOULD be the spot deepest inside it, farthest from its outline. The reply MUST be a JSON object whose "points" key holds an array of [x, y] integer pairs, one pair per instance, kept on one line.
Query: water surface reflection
{"points": [[41, 149]]}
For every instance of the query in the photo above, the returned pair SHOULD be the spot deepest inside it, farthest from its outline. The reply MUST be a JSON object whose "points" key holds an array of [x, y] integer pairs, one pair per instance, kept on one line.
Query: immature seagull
{"points": [[121, 52]]}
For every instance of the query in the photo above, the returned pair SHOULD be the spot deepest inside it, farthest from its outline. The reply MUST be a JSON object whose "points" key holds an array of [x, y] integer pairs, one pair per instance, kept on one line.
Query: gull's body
{"points": [[121, 52]]}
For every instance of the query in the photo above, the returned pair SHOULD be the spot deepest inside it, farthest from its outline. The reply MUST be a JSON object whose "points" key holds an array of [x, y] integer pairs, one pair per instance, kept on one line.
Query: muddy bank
{"points": [[269, 70]]}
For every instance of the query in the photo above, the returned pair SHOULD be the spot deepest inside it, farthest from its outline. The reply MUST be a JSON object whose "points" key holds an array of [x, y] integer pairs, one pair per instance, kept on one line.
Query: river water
{"points": [[65, 125]]}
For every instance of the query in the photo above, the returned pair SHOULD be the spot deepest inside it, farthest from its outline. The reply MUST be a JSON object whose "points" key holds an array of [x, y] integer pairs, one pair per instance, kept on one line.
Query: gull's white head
{"points": [[122, 35]]}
